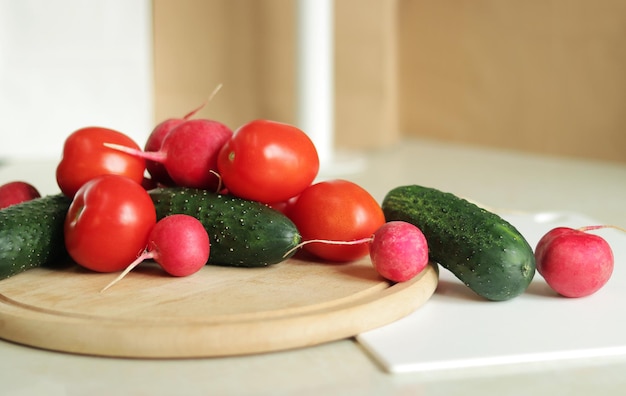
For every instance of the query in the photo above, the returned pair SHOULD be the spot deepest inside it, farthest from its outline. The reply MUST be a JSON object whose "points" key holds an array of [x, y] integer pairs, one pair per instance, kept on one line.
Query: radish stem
{"points": [[157, 156]]}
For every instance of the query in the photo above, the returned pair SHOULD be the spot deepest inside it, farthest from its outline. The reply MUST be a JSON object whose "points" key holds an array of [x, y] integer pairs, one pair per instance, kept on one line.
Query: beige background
{"points": [[545, 76]]}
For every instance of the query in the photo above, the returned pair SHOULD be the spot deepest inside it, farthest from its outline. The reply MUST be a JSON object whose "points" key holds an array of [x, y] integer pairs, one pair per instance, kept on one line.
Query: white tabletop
{"points": [[499, 179]]}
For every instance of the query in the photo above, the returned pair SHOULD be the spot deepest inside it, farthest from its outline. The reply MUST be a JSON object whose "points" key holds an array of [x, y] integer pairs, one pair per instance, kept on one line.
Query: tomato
{"points": [[337, 210], [85, 157], [108, 223], [268, 161]]}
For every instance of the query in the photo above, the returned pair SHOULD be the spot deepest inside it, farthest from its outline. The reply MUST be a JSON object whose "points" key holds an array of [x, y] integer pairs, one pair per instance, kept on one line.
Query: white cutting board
{"points": [[456, 329]]}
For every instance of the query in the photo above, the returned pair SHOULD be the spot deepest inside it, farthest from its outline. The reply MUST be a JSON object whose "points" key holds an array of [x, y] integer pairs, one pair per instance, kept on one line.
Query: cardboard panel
{"points": [[534, 75], [539, 76], [199, 44], [366, 73], [249, 47]]}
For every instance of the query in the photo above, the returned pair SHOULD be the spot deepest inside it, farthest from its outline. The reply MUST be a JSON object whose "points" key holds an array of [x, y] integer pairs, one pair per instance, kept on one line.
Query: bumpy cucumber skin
{"points": [[31, 234], [242, 233], [480, 248]]}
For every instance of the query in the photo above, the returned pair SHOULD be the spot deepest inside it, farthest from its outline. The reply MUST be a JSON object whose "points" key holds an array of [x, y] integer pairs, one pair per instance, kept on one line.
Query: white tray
{"points": [[456, 329]]}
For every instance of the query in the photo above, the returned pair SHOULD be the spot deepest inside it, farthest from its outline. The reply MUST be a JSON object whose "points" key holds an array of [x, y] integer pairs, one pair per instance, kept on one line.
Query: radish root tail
{"points": [[146, 255], [330, 242], [598, 227]]}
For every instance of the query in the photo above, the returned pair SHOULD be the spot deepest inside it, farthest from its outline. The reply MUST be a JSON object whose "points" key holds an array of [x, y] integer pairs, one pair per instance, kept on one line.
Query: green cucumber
{"points": [[31, 234], [242, 233], [480, 248]]}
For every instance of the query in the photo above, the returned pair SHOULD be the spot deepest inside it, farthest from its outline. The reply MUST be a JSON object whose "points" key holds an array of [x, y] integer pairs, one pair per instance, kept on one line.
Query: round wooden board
{"points": [[218, 311]]}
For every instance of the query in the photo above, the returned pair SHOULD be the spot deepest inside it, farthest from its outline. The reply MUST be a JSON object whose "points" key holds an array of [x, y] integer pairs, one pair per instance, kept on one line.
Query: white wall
{"points": [[66, 64]]}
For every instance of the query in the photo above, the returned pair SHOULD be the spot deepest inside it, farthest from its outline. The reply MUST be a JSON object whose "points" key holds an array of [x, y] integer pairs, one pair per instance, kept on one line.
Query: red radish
{"points": [[398, 250], [285, 206], [178, 243], [148, 183], [155, 140], [17, 192], [157, 171], [573, 262], [189, 152]]}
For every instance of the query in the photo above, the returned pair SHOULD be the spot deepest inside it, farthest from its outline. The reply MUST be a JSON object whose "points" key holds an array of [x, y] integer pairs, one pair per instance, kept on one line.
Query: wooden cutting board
{"points": [[218, 311]]}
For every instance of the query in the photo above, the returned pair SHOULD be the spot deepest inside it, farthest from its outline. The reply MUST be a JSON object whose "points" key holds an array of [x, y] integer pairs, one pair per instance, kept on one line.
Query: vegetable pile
{"points": [[200, 193]]}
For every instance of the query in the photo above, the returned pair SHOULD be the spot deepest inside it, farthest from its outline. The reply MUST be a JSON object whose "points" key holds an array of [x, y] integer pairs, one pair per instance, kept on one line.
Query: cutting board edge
{"points": [[115, 340]]}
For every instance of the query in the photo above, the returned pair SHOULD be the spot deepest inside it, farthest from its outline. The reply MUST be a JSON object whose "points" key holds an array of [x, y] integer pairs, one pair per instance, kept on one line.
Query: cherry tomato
{"points": [[337, 210], [108, 223], [268, 161], [85, 157]]}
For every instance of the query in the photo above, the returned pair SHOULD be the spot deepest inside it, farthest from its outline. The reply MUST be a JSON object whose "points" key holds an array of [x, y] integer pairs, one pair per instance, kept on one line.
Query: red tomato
{"points": [[108, 223], [268, 161], [85, 157], [337, 210]]}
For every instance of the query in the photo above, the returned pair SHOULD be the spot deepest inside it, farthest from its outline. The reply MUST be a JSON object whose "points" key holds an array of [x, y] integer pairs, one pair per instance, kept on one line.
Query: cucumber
{"points": [[480, 248], [31, 234], [242, 233]]}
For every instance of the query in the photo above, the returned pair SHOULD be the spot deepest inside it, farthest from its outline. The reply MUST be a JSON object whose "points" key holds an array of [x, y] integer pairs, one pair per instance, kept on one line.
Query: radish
{"points": [[157, 170], [398, 250], [157, 163], [154, 142], [179, 243], [573, 262], [189, 152], [17, 192]]}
